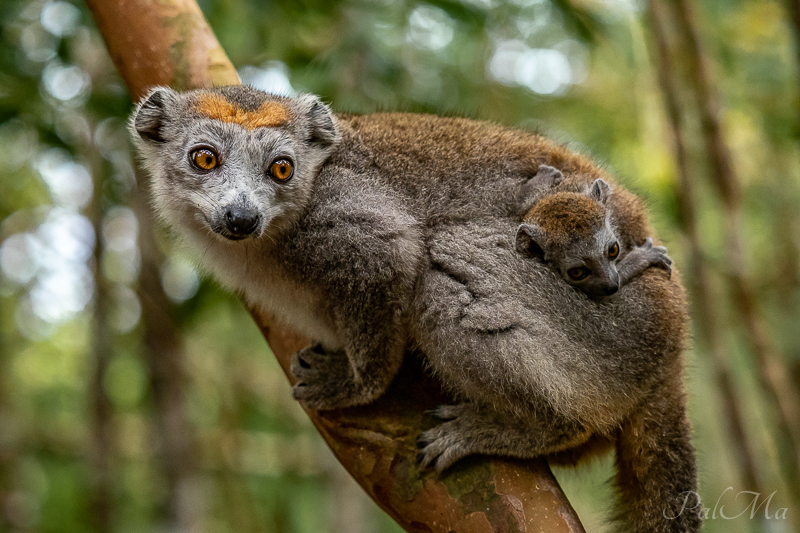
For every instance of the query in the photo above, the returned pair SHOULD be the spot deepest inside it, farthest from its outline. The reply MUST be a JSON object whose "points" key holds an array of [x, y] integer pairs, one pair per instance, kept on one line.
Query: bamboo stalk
{"points": [[773, 374], [164, 357], [103, 432], [375, 443], [709, 327]]}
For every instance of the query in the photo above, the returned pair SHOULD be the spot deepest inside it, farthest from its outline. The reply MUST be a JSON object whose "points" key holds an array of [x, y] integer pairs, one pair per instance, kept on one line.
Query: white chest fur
{"points": [[246, 268]]}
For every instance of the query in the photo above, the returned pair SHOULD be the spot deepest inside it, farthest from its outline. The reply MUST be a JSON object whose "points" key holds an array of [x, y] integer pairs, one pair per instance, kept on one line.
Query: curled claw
{"points": [[657, 255], [323, 377], [662, 260], [430, 449], [442, 446]]}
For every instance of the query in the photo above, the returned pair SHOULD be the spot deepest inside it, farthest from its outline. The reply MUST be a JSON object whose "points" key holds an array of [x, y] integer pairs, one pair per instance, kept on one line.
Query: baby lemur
{"points": [[332, 223], [574, 234]]}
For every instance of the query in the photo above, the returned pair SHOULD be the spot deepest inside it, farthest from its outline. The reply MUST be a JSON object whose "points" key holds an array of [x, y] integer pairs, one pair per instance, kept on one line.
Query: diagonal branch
{"points": [[169, 43]]}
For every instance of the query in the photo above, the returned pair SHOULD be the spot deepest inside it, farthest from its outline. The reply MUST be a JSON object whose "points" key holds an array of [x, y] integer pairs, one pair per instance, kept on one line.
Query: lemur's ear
{"points": [[321, 126], [148, 119], [545, 178], [531, 241], [600, 191]]}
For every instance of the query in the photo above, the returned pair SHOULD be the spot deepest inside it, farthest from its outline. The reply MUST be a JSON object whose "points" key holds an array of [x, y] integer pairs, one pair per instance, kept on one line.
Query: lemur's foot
{"points": [[455, 438], [654, 255], [325, 378]]}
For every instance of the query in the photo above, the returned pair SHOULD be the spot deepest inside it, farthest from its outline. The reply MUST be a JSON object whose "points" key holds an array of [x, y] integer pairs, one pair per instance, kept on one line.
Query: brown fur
{"points": [[628, 212], [627, 393], [567, 214]]}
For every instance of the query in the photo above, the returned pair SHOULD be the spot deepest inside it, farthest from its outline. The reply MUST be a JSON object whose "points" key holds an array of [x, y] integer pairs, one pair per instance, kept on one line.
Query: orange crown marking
{"points": [[269, 115]]}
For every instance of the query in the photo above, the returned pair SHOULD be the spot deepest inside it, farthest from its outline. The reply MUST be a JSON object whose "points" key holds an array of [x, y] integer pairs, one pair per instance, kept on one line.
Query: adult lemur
{"points": [[327, 221]]}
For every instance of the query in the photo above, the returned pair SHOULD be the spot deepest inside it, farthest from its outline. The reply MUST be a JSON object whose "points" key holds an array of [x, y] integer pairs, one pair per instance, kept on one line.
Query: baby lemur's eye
{"points": [[204, 159], [281, 169], [613, 250], [578, 273]]}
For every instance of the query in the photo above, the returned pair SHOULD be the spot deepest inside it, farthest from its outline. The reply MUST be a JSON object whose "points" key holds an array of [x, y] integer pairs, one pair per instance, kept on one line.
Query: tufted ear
{"points": [[600, 191], [149, 117], [531, 241], [321, 125]]}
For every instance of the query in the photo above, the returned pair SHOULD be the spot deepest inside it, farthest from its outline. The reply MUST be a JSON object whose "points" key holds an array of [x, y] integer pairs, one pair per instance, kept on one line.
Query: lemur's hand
{"points": [[325, 378], [655, 255], [643, 257]]}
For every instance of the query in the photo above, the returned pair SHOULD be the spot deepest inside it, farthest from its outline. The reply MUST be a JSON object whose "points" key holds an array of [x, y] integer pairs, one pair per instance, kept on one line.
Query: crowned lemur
{"points": [[373, 233]]}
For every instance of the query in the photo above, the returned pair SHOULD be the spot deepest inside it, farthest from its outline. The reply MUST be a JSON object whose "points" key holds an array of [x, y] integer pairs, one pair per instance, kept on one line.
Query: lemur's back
{"points": [[448, 168]]}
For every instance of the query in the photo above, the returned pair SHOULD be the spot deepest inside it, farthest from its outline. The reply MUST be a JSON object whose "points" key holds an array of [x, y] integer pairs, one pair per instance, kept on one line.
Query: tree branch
{"points": [[375, 443]]}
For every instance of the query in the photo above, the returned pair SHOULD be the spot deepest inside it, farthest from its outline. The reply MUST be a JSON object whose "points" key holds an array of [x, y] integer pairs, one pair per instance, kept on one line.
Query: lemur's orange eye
{"points": [[577, 273], [613, 250], [281, 169], [204, 159]]}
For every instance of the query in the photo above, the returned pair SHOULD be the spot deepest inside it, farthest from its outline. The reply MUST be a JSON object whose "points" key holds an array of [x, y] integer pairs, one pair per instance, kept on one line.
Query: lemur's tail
{"points": [[656, 471]]}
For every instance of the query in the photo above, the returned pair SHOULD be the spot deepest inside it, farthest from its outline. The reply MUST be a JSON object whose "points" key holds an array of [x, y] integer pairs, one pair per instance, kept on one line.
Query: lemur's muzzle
{"points": [[241, 222]]}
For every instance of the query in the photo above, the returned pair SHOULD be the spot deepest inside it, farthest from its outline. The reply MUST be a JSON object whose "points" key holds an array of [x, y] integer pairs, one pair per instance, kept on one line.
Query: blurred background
{"points": [[136, 396]]}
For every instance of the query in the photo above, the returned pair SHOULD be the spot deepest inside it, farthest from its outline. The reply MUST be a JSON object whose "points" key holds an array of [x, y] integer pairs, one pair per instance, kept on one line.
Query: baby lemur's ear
{"points": [[321, 125], [148, 119], [531, 241], [600, 191], [545, 179]]}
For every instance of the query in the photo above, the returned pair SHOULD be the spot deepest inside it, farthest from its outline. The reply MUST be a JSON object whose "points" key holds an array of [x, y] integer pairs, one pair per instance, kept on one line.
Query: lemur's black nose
{"points": [[609, 289], [241, 222]]}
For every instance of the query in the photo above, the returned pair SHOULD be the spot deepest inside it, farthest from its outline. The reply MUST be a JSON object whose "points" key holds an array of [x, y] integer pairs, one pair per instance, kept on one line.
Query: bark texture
{"points": [[376, 443]]}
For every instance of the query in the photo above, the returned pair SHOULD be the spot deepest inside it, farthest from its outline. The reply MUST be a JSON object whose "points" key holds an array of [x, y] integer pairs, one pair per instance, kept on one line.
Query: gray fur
{"points": [[641, 258], [398, 229], [545, 179], [338, 248], [600, 191], [561, 380], [531, 241], [502, 306]]}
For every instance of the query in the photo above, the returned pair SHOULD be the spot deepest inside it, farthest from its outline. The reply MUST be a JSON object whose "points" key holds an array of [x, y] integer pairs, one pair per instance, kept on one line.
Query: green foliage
{"points": [[580, 72]]}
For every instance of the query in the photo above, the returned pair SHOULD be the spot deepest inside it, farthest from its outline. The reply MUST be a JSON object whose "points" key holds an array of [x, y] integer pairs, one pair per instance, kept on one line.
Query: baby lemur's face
{"points": [[233, 160], [572, 233]]}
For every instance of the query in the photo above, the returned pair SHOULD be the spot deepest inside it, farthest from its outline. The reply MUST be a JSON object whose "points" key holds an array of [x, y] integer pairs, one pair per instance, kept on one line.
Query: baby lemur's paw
{"points": [[655, 255], [455, 438], [323, 377]]}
